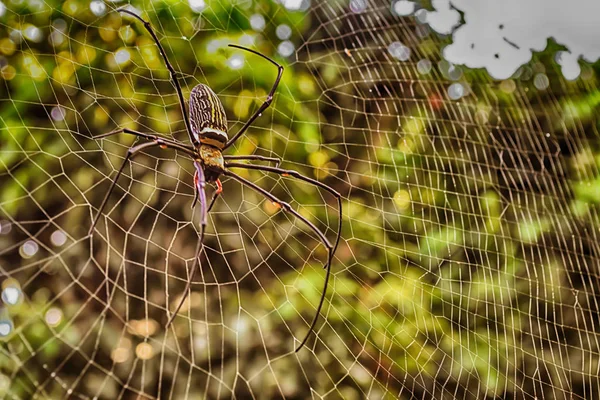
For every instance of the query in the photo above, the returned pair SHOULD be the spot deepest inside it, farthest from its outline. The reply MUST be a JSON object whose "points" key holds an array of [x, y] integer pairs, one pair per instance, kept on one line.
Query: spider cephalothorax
{"points": [[207, 131]]}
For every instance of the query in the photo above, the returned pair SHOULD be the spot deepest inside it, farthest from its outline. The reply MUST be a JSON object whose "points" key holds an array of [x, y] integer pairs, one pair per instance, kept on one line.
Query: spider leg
{"points": [[286, 207], [171, 71], [216, 194], [297, 175], [214, 197], [147, 136], [132, 152], [195, 190], [267, 102], [275, 160], [200, 181]]}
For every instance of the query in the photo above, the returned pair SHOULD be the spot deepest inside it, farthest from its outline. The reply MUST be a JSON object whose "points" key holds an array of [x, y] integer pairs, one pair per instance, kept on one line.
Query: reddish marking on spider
{"points": [[284, 174], [276, 204], [162, 146], [219, 186]]}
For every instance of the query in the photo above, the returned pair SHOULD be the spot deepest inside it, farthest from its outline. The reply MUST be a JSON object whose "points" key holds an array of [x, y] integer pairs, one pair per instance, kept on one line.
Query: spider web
{"points": [[468, 261]]}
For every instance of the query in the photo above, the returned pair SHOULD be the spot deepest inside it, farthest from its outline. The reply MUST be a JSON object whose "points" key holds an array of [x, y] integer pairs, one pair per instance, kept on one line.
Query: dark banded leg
{"points": [[132, 152], [297, 175], [275, 160], [267, 102], [147, 136], [286, 207], [216, 194], [171, 71]]}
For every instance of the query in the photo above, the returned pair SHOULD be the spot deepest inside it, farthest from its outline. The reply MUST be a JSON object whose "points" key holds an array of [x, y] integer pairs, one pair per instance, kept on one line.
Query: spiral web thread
{"points": [[468, 261]]}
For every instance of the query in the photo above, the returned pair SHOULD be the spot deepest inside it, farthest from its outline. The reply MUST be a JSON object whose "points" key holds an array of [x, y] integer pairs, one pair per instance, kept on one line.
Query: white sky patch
{"points": [[501, 36]]}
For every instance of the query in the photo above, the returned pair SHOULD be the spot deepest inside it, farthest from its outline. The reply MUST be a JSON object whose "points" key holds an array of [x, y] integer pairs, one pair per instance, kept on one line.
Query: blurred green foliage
{"points": [[468, 259]]}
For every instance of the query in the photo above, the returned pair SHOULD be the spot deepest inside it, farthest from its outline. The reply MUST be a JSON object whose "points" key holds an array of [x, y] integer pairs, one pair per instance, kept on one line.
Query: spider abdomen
{"points": [[207, 117]]}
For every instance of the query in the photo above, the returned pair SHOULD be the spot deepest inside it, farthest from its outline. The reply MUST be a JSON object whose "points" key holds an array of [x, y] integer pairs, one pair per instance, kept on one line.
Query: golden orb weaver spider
{"points": [[207, 131]]}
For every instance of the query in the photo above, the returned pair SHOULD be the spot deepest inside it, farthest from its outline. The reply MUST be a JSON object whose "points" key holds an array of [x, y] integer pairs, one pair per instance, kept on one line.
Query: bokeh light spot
{"points": [[358, 6], [399, 51], [197, 5], [8, 72], [508, 86], [541, 81], [98, 8], [4, 384], [33, 33], [53, 316], [29, 249], [257, 22], [454, 72], [120, 355], [403, 7], [58, 238], [122, 56], [286, 48], [144, 351], [5, 328], [283, 32], [11, 295], [58, 113], [402, 199], [456, 91], [236, 61], [296, 5], [5, 227], [424, 66]]}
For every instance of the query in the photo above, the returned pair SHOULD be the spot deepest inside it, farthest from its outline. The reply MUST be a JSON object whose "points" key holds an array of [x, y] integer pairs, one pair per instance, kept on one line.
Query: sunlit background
{"points": [[463, 141]]}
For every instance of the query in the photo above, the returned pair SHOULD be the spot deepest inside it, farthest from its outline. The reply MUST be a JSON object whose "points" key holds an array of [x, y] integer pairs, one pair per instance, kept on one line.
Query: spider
{"points": [[207, 131]]}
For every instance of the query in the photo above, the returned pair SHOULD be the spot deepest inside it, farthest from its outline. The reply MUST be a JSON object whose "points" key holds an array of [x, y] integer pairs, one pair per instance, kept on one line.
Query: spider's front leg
{"points": [[256, 157], [146, 136], [216, 194], [131, 153], [267, 102]]}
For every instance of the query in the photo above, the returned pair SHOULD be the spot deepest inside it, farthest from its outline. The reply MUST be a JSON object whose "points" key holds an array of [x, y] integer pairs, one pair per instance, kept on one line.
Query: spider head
{"points": [[207, 117], [212, 160]]}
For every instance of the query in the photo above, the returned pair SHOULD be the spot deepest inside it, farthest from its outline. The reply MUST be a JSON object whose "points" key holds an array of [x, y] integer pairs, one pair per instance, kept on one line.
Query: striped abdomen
{"points": [[207, 117]]}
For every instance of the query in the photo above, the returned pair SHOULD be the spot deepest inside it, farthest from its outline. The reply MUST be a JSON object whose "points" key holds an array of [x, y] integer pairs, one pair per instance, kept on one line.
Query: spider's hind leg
{"points": [[297, 175], [200, 183], [287, 208]]}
